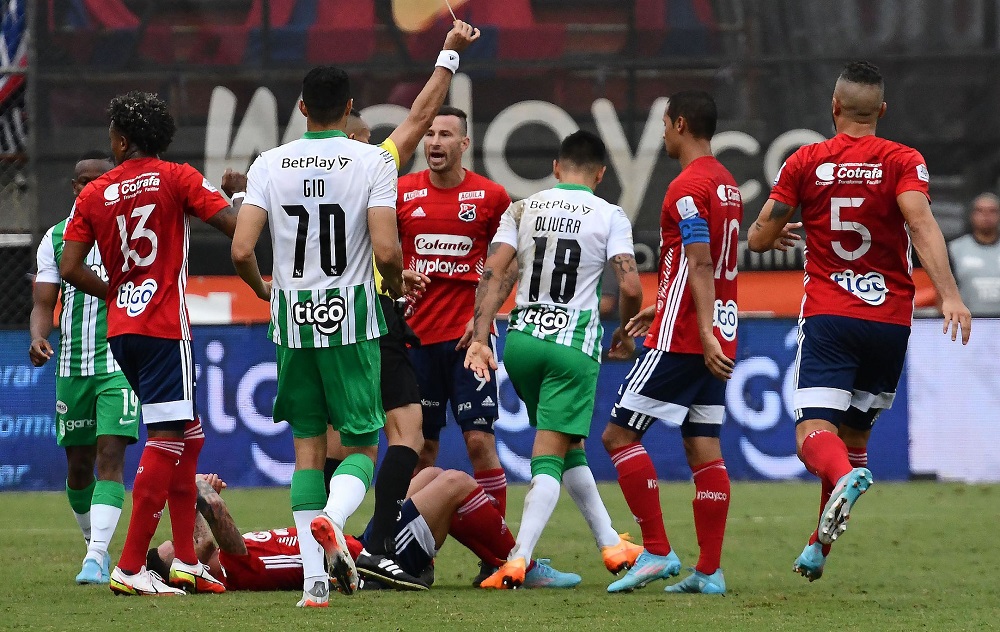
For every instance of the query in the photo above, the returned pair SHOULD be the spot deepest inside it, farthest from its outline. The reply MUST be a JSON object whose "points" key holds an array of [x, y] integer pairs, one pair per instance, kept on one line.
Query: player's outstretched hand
{"points": [[460, 36], [622, 345], [414, 283], [233, 182], [956, 317], [639, 325], [787, 238], [466, 338], [213, 480], [40, 351], [479, 359], [716, 361]]}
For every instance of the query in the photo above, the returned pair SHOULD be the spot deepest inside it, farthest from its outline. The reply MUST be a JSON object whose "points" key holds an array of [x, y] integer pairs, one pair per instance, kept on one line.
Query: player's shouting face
{"points": [[445, 142]]}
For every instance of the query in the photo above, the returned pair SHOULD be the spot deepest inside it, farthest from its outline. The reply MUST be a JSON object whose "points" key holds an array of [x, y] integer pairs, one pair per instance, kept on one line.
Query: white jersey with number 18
{"points": [[317, 191]]}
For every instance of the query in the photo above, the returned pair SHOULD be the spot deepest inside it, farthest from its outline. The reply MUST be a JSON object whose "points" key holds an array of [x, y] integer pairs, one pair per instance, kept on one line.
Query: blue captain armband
{"points": [[694, 230]]}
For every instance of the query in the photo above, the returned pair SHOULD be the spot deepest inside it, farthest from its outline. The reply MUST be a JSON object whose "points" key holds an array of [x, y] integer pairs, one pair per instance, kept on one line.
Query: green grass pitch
{"points": [[918, 556]]}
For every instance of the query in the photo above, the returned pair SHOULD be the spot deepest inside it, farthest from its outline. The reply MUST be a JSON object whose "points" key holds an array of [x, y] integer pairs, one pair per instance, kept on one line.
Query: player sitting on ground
{"points": [[438, 503]]}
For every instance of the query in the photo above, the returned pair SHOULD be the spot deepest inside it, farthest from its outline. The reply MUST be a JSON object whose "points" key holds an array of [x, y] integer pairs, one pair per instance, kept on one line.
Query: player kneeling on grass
{"points": [[438, 503]]}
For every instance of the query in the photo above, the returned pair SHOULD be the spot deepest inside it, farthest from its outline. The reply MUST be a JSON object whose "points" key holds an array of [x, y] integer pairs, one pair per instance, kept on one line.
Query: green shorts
{"points": [[88, 407], [337, 386], [557, 384]]}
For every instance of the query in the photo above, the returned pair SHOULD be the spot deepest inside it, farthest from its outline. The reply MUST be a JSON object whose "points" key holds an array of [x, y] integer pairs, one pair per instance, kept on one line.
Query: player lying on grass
{"points": [[439, 503]]}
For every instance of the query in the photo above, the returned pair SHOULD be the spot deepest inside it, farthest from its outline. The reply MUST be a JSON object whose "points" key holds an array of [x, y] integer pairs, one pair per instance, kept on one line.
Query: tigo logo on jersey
{"points": [[134, 298], [729, 194], [726, 318], [922, 173], [445, 245], [547, 320], [325, 317], [472, 195], [412, 195], [467, 212], [869, 287]]}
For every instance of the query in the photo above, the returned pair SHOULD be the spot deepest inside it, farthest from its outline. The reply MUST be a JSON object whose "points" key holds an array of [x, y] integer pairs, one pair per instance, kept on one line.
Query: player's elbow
{"points": [[756, 242], [388, 254], [241, 253]]}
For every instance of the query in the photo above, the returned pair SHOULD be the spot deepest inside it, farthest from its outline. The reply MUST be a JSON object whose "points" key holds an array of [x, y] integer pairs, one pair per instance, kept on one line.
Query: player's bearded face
{"points": [[444, 144]]}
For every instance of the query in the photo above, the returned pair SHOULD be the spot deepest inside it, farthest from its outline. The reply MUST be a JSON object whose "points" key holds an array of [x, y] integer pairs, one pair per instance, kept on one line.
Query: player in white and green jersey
{"points": [[330, 202], [96, 409], [562, 239]]}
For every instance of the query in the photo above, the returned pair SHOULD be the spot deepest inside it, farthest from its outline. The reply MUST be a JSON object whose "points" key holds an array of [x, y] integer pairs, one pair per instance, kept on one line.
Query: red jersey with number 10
{"points": [[857, 248], [704, 188], [445, 234], [138, 214], [272, 562]]}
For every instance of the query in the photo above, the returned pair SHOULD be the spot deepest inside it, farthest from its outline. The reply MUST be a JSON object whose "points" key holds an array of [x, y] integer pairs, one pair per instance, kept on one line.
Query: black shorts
{"points": [[161, 372], [399, 381]]}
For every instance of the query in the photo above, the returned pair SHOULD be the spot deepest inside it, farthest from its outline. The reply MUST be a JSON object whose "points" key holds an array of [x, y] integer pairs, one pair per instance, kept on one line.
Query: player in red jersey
{"points": [[138, 214], [858, 194], [447, 216], [691, 346]]}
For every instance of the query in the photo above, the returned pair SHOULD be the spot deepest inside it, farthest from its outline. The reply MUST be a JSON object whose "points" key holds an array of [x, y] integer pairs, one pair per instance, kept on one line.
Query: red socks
{"points": [[183, 497], [637, 478], [149, 494], [479, 527], [495, 483], [858, 457], [711, 508], [825, 455]]}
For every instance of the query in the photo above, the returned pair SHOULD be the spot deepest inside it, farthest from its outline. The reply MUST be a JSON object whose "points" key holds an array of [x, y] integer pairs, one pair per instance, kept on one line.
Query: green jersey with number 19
{"points": [[564, 236], [317, 191], [83, 323]]}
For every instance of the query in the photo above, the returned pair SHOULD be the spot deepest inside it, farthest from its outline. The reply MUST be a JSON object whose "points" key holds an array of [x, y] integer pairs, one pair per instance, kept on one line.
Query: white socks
{"points": [[312, 553], [104, 520], [84, 521], [347, 492], [582, 487], [538, 507]]}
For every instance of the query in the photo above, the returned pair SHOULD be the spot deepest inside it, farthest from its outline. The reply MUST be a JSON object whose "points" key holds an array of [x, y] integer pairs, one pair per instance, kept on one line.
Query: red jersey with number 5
{"points": [[857, 248], [272, 562], [445, 234], [704, 188], [138, 214]]}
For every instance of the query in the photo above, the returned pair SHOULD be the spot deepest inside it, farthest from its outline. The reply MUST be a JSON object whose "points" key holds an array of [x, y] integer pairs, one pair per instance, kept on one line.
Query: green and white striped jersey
{"points": [[564, 236], [317, 191], [83, 323]]}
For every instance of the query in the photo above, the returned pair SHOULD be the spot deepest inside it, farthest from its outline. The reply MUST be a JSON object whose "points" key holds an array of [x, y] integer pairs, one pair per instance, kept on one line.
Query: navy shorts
{"points": [[847, 369], [415, 546], [675, 387], [161, 372], [443, 378]]}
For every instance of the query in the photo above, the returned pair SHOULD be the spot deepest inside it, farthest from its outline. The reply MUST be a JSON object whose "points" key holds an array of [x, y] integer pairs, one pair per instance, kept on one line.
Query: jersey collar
{"points": [[574, 187], [327, 133]]}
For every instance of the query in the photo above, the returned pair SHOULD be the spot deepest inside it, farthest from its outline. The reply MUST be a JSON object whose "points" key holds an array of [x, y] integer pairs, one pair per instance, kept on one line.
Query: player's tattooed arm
{"points": [[225, 220], [629, 304], [221, 523], [499, 276], [772, 230]]}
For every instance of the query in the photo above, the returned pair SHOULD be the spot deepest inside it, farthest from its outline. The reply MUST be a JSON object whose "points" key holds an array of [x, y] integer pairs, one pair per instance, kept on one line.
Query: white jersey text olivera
{"points": [[564, 236], [317, 191]]}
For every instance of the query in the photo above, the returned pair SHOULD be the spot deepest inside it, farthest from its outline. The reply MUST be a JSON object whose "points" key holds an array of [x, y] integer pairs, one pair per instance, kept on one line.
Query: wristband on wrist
{"points": [[239, 195], [448, 59]]}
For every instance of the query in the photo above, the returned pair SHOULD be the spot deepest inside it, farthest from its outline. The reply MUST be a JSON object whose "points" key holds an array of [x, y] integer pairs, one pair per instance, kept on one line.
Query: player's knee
{"points": [[614, 439], [458, 481]]}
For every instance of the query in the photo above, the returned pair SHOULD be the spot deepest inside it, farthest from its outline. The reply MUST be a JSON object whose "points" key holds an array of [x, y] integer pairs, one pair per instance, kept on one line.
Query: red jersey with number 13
{"points": [[138, 214], [445, 234], [857, 248]]}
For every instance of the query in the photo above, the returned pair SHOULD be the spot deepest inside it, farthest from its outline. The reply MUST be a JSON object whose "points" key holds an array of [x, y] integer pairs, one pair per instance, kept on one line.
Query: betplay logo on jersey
{"points": [[548, 320], [325, 317], [134, 298], [726, 319], [869, 287], [467, 212], [443, 245]]}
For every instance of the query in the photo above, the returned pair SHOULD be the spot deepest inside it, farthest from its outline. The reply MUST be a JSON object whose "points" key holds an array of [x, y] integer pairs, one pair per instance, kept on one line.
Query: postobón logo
{"points": [[443, 245], [134, 298], [726, 319], [325, 317], [547, 320], [869, 287]]}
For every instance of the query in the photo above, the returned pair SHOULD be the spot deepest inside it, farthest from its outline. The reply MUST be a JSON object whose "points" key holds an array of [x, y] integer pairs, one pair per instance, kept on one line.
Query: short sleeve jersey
{"points": [[272, 562], [564, 237], [446, 234], [139, 215], [317, 191], [857, 247], [977, 270], [703, 189], [83, 322]]}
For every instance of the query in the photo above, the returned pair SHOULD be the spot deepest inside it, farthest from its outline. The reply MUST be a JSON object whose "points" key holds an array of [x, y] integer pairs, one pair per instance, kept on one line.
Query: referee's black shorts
{"points": [[399, 382]]}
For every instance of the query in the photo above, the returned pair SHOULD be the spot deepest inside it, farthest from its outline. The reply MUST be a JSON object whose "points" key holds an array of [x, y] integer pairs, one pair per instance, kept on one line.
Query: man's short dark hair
{"points": [[583, 149], [698, 109], [863, 72], [463, 118], [326, 91], [156, 564], [95, 154], [143, 118]]}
